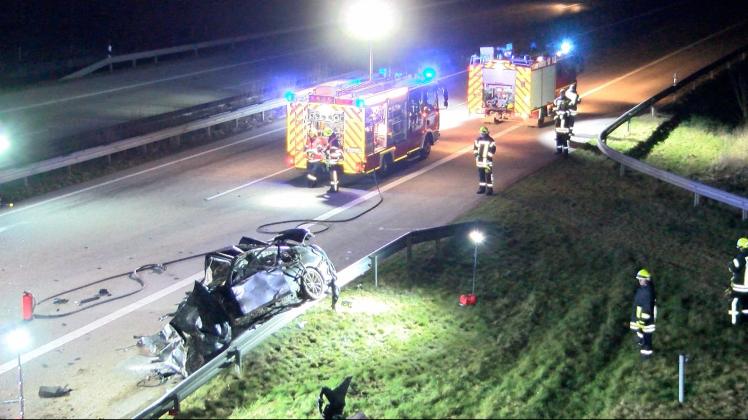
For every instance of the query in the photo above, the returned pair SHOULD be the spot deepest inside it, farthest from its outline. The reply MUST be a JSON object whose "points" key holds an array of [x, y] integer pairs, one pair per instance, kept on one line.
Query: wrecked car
{"points": [[244, 284]]}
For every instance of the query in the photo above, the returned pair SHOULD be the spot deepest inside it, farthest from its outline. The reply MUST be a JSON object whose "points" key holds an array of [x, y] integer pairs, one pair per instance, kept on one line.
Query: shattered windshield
{"points": [[262, 260], [216, 272]]}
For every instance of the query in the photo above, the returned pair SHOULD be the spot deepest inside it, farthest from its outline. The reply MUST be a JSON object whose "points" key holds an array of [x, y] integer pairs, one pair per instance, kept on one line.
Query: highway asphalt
{"points": [[159, 212]]}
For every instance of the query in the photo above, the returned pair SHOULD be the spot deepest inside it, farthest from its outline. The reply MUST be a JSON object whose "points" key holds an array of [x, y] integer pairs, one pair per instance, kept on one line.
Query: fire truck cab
{"points": [[376, 123], [502, 85]]}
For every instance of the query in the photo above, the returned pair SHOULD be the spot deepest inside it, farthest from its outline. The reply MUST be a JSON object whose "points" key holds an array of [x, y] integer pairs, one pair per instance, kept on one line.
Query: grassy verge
{"points": [[629, 136], [704, 150], [549, 335]]}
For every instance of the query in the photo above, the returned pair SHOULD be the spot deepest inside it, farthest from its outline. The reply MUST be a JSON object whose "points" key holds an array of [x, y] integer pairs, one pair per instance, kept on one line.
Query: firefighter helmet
{"points": [[327, 132], [484, 130], [643, 274], [743, 243]]}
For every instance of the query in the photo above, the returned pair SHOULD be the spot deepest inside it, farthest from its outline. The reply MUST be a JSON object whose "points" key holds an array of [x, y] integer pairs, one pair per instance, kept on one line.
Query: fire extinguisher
{"points": [[27, 306]]}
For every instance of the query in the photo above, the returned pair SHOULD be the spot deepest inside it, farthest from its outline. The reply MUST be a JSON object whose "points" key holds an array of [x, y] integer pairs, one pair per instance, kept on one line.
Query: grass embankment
{"points": [[707, 139], [549, 335]]}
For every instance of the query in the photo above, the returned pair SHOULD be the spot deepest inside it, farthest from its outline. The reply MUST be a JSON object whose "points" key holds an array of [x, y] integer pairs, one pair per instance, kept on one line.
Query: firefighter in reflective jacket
{"points": [[334, 159], [573, 101], [483, 149], [315, 154], [739, 282], [563, 121], [644, 312]]}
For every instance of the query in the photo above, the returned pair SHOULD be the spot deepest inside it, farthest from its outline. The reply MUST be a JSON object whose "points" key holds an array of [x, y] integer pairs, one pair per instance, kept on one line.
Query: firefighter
{"points": [[484, 148], [573, 101], [644, 312], [739, 282], [562, 119], [334, 159], [336, 400], [315, 151]]}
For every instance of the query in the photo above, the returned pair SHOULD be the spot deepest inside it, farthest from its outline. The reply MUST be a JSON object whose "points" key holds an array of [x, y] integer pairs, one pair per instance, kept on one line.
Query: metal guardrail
{"points": [[12, 174], [133, 142], [698, 189], [170, 401], [134, 57]]}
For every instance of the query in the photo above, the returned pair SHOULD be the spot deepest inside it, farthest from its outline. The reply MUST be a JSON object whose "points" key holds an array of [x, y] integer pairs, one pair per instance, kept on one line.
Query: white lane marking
{"points": [[661, 59], [163, 165], [80, 332], [247, 184]]}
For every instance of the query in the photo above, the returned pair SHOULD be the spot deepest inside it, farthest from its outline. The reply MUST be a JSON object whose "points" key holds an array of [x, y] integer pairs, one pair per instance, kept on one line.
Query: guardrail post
{"points": [[622, 170], [109, 159], [155, 59], [375, 264], [409, 244], [262, 116], [696, 199], [628, 126], [437, 246], [210, 132], [652, 109], [682, 359], [745, 214], [133, 63], [174, 410]]}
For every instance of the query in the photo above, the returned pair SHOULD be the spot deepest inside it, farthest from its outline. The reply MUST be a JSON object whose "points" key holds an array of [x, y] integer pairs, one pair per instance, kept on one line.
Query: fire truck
{"points": [[504, 86], [376, 123]]}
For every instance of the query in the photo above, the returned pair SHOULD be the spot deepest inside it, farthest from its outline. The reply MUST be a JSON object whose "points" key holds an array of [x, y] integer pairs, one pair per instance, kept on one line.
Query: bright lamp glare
{"points": [[476, 236], [566, 47], [4, 142], [369, 20], [17, 340]]}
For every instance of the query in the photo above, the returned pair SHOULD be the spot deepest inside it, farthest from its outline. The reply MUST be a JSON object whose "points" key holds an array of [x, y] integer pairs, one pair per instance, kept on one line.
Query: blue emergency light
{"points": [[360, 102], [566, 47], [289, 95], [428, 73]]}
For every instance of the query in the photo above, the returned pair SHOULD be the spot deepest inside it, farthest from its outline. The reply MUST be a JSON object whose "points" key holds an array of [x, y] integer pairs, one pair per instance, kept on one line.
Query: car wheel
{"points": [[313, 285]]}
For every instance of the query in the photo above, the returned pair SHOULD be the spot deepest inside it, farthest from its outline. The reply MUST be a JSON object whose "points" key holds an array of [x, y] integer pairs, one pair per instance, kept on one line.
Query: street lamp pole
{"points": [[20, 384], [17, 340], [371, 60]]}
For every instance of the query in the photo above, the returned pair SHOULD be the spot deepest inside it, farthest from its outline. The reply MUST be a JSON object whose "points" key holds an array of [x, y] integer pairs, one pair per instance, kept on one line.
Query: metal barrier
{"points": [[134, 57], [698, 189], [85, 155], [169, 402]]}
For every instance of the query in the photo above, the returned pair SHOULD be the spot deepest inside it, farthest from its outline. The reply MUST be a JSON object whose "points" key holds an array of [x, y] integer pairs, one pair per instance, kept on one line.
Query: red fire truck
{"points": [[502, 85], [376, 123]]}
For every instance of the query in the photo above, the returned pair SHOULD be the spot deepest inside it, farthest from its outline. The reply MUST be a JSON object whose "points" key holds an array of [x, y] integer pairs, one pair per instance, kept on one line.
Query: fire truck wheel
{"points": [[386, 167], [310, 183], [426, 149]]}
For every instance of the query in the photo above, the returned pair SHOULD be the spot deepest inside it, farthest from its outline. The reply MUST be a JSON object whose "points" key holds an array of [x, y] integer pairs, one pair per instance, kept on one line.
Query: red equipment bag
{"points": [[468, 299]]}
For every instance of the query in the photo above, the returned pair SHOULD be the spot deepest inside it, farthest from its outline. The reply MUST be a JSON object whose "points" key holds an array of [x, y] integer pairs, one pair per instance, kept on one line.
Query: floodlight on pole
{"points": [[4, 142], [369, 20], [477, 237], [17, 341]]}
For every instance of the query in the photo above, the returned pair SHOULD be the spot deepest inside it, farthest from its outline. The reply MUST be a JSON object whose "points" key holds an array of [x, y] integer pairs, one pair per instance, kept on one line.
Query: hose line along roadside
{"points": [[134, 276]]}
